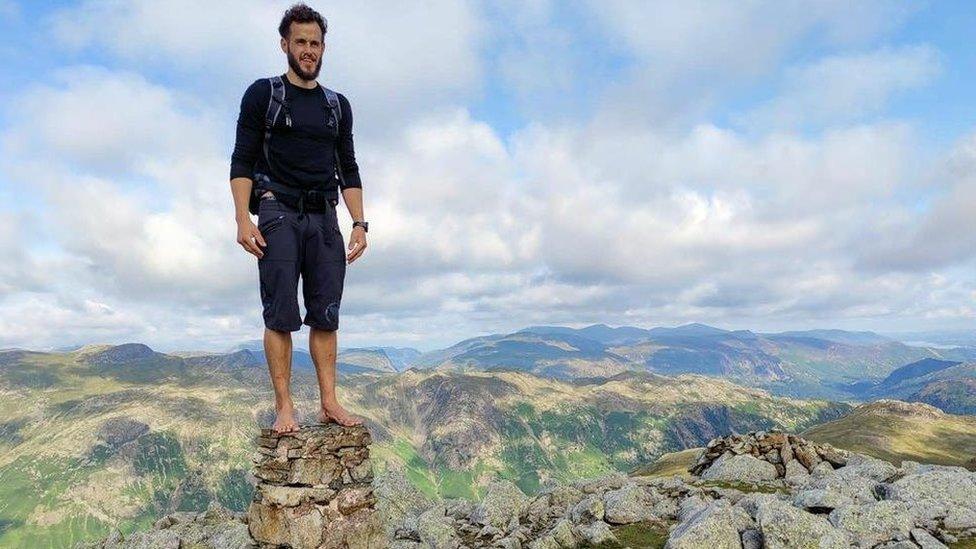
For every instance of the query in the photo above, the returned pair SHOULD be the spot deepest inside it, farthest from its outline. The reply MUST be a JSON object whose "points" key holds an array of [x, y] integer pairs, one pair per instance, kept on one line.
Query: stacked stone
{"points": [[775, 447], [314, 487]]}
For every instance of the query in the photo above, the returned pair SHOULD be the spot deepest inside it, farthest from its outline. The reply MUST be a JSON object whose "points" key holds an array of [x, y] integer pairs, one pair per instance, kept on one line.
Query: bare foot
{"points": [[285, 421], [339, 415]]}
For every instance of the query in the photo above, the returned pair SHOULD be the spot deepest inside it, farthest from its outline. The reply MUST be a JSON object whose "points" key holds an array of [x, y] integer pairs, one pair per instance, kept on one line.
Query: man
{"points": [[288, 174]]}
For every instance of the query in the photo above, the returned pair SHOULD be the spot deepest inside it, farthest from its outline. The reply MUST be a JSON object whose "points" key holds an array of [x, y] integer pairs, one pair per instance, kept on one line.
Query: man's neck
{"points": [[293, 77]]}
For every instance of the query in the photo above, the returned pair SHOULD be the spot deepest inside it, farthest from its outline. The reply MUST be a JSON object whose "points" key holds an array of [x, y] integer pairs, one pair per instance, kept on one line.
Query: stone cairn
{"points": [[314, 488], [775, 447]]}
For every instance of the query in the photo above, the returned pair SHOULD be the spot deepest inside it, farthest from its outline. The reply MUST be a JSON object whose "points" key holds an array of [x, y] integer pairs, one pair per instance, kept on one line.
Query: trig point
{"points": [[314, 489]]}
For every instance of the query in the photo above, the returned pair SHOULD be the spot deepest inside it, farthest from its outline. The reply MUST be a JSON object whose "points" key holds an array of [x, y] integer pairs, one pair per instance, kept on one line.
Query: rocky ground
{"points": [[761, 490]]}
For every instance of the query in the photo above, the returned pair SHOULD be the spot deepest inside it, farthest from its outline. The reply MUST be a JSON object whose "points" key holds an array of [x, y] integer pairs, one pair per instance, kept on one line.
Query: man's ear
{"points": [[284, 46]]}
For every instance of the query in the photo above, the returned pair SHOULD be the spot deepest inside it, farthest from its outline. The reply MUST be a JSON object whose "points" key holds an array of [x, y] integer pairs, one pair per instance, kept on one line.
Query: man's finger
{"points": [[360, 246], [260, 238], [247, 248], [252, 247], [352, 250]]}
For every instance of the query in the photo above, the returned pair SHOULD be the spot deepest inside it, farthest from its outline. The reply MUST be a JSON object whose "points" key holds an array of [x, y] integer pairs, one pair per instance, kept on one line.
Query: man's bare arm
{"points": [[353, 198], [248, 235]]}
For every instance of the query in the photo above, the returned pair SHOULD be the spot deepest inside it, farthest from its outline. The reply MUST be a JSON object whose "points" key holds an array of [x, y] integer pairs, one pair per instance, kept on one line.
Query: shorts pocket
{"points": [[338, 246], [271, 222]]}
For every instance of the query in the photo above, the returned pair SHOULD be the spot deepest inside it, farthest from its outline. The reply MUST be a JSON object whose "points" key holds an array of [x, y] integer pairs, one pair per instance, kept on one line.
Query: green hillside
{"points": [[109, 437], [895, 431], [886, 429]]}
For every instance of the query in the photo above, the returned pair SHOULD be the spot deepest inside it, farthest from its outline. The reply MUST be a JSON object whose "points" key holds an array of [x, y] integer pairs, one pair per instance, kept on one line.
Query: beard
{"points": [[297, 67]]}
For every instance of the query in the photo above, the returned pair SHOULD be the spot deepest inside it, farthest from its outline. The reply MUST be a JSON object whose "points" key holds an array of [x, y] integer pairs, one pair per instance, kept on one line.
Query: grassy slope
{"points": [[670, 464], [895, 432], [887, 430]]}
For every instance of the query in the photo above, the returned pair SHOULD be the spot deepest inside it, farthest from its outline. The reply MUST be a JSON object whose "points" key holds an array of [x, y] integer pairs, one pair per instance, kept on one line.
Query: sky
{"points": [[764, 165]]}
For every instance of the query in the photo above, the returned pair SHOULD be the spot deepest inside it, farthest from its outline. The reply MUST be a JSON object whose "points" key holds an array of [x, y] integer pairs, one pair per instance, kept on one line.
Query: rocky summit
{"points": [[315, 491], [761, 456]]}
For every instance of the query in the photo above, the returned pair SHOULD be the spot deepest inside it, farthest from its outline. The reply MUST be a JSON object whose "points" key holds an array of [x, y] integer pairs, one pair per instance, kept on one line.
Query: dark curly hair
{"points": [[301, 13]]}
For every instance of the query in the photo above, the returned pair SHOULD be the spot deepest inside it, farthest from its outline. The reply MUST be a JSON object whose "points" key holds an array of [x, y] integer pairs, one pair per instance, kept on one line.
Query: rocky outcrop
{"points": [[862, 502], [215, 528], [771, 453], [833, 499], [314, 489]]}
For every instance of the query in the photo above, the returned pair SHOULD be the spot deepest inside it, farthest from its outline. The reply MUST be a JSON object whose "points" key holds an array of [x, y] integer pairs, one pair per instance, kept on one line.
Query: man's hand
{"points": [[250, 237], [357, 244]]}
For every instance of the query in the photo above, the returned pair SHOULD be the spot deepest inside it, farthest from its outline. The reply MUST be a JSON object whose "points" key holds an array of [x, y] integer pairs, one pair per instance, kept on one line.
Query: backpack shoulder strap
{"points": [[333, 99], [275, 101]]}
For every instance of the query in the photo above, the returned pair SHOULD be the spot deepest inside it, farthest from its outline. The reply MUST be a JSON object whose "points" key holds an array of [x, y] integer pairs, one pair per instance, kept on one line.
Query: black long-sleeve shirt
{"points": [[301, 155]]}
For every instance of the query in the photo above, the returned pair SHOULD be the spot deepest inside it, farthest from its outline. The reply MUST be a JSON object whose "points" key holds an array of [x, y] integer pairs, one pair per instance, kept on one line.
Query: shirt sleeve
{"points": [[345, 148], [250, 129]]}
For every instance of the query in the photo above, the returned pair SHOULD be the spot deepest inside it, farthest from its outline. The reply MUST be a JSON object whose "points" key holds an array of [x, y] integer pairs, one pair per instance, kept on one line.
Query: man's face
{"points": [[304, 48]]}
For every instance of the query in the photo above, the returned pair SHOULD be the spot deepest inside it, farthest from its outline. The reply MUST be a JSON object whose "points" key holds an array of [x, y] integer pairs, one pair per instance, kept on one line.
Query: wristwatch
{"points": [[362, 224]]}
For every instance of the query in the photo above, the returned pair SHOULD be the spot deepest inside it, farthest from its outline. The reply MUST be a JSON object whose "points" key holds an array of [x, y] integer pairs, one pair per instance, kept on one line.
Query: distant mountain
{"points": [[694, 329], [365, 360], [916, 369], [548, 354], [132, 362], [353, 360], [597, 332], [400, 358], [432, 359], [945, 339], [243, 359], [895, 430], [837, 336], [696, 348], [815, 363], [118, 354], [949, 386]]}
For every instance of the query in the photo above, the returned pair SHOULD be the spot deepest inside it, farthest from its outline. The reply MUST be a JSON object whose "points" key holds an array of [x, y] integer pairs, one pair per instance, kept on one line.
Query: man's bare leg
{"points": [[277, 349], [322, 346]]}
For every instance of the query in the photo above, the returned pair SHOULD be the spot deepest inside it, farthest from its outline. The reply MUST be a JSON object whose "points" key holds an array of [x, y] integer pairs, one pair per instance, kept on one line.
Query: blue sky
{"points": [[769, 165]]}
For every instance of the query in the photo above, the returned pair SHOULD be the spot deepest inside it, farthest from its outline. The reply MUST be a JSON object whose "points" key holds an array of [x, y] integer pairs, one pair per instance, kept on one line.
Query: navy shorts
{"points": [[310, 245]]}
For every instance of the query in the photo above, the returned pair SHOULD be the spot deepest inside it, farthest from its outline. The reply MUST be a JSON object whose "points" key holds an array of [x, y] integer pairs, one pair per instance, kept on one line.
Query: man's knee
{"points": [[321, 317]]}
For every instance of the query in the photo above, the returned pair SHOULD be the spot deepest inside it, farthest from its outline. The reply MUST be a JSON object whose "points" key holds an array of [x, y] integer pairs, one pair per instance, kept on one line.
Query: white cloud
{"points": [[687, 55], [389, 59], [841, 88], [943, 234], [106, 121]]}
